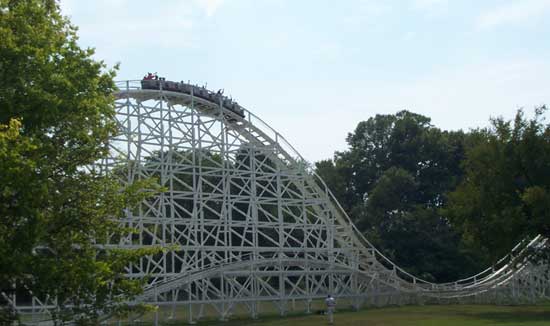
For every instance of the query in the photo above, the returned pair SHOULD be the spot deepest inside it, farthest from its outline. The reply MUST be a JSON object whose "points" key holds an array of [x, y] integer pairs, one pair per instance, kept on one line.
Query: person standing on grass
{"points": [[331, 303]]}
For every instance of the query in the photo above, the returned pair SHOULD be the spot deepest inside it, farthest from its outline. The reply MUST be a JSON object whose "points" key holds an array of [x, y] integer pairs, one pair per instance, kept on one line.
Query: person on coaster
{"points": [[149, 76]]}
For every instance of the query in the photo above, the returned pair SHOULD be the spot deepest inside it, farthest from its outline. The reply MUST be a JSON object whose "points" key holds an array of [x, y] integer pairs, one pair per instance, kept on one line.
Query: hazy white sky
{"points": [[313, 69]]}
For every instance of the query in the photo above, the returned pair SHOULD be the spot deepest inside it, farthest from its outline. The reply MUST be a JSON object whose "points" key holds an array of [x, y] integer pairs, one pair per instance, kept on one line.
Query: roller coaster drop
{"points": [[250, 223]]}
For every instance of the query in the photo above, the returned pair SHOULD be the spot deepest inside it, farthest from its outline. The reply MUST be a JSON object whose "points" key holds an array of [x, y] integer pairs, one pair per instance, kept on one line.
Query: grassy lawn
{"points": [[463, 315]]}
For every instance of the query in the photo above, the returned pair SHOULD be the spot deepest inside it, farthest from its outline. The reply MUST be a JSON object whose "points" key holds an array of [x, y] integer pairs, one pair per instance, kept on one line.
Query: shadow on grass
{"points": [[512, 316], [244, 320]]}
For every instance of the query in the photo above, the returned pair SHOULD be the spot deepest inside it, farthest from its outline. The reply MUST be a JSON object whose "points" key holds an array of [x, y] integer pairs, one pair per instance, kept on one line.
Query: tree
{"points": [[393, 181], [505, 194], [56, 118], [337, 176]]}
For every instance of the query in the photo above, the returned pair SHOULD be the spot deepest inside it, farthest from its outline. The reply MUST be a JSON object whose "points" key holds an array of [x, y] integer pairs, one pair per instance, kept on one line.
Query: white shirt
{"points": [[330, 302]]}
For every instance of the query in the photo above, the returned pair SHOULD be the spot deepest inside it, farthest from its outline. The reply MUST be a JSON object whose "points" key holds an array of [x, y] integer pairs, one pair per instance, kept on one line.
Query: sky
{"points": [[313, 69]]}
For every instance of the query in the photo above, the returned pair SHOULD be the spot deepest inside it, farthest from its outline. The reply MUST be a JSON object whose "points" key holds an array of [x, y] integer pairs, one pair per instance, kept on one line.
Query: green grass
{"points": [[451, 315]]}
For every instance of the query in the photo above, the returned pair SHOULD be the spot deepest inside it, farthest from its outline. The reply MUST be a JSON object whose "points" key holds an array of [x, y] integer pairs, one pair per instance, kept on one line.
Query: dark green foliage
{"points": [[505, 195], [436, 201], [392, 182]]}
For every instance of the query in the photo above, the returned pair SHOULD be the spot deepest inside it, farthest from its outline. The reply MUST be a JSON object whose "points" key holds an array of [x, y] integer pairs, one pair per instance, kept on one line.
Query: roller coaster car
{"points": [[170, 86], [237, 109], [161, 84], [185, 88], [202, 93], [150, 84]]}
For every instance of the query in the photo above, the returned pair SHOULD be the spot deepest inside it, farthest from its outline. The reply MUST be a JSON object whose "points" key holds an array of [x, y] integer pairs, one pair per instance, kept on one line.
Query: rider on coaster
{"points": [[150, 76]]}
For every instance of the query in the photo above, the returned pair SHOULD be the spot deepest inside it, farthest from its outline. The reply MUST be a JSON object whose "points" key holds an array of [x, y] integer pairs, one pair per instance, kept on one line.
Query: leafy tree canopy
{"points": [[505, 195], [56, 117], [393, 180]]}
